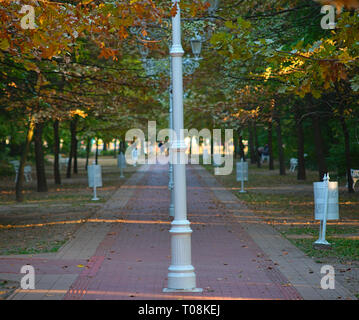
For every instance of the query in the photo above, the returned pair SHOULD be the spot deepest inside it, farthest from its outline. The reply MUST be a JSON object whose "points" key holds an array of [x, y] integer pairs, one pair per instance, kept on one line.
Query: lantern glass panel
{"points": [[196, 45]]}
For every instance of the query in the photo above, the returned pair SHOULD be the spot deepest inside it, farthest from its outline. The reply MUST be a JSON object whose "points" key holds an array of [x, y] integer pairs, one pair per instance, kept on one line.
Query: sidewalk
{"points": [[123, 252]]}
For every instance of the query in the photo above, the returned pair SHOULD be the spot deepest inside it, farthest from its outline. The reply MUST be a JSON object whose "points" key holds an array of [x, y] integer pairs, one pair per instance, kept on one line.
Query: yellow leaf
{"points": [[4, 44]]}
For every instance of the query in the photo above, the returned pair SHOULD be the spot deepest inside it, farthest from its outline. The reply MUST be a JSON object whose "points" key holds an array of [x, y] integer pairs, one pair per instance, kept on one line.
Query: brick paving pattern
{"points": [[124, 251], [135, 254]]}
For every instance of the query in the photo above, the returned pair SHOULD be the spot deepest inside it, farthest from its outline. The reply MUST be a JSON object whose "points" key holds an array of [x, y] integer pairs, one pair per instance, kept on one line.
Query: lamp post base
{"points": [[242, 191], [199, 290], [321, 244], [95, 199], [181, 279]]}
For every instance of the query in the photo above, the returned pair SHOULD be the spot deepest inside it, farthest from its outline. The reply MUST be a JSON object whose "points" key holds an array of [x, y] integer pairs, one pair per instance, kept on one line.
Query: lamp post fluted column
{"points": [[181, 275], [170, 171]]}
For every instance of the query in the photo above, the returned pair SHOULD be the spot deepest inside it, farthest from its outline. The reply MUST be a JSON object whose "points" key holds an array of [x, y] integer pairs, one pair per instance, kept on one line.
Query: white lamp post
{"points": [[154, 67], [196, 45], [181, 275], [170, 184]]}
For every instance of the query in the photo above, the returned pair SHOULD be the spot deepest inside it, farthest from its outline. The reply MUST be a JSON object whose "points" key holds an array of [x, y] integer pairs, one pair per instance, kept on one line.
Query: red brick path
{"points": [[132, 261]]}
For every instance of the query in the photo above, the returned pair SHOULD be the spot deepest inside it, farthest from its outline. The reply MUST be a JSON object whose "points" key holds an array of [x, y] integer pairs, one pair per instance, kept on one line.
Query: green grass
{"points": [[271, 197], [41, 247], [47, 199], [331, 230], [342, 249]]}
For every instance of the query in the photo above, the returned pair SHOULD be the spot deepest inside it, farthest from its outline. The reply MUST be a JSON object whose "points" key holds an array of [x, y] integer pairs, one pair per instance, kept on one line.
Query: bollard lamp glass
{"points": [[196, 45]]}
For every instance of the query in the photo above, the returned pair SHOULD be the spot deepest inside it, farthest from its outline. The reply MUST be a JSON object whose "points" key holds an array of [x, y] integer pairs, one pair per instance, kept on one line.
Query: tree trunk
{"points": [[270, 145], [122, 147], [73, 146], [251, 143], [57, 175], [280, 147], [39, 155], [74, 141], [20, 176], [257, 155], [104, 146], [348, 165], [115, 149], [75, 155], [319, 147], [301, 175], [69, 162], [96, 158], [88, 149], [241, 146]]}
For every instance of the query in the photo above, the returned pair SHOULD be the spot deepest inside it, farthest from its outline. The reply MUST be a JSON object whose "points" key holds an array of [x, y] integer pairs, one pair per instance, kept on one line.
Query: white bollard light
{"points": [[94, 176], [242, 173], [326, 201], [121, 163], [135, 156]]}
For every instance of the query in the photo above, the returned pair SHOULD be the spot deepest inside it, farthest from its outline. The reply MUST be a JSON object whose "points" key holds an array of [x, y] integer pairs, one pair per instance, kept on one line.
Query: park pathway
{"points": [[123, 251]]}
